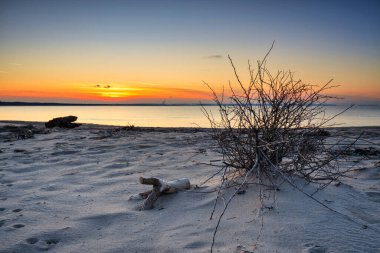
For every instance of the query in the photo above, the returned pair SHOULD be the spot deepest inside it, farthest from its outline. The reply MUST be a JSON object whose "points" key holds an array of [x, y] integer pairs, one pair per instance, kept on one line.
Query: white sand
{"points": [[68, 191]]}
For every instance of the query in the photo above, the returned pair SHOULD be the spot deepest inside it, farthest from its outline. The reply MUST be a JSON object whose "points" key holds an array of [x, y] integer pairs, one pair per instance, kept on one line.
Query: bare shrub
{"points": [[274, 128]]}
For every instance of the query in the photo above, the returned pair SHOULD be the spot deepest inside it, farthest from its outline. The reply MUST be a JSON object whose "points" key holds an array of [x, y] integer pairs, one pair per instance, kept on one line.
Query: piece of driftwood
{"points": [[63, 122], [160, 187]]}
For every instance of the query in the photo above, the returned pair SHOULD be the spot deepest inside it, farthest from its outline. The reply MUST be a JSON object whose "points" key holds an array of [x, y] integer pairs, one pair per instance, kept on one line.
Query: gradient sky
{"points": [[149, 51]]}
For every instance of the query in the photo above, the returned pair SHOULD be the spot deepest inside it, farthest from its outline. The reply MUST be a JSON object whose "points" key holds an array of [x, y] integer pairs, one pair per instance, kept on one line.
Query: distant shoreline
{"points": [[85, 104]]}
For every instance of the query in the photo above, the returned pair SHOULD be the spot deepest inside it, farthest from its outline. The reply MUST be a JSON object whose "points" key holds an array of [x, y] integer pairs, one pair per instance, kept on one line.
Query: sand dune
{"points": [[68, 191]]}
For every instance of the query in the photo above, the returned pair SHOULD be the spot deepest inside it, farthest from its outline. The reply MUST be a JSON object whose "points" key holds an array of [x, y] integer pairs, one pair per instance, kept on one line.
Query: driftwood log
{"points": [[160, 187], [63, 122]]}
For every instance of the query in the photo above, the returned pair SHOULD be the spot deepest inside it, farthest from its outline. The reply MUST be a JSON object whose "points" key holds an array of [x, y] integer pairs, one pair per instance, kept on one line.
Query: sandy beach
{"points": [[68, 190]]}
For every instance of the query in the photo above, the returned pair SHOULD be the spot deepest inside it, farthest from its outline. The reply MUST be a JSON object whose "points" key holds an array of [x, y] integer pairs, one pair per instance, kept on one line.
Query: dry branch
{"points": [[273, 129], [160, 187]]}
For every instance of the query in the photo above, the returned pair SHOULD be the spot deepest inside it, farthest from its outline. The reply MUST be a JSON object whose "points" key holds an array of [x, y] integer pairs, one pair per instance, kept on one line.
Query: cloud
{"points": [[214, 56]]}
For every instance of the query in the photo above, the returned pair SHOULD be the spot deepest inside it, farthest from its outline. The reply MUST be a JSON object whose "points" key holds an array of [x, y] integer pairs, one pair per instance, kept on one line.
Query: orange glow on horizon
{"points": [[121, 93], [105, 93], [31, 84]]}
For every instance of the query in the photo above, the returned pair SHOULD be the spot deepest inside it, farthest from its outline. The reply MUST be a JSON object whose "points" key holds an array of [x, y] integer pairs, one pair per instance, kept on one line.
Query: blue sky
{"points": [[317, 39]]}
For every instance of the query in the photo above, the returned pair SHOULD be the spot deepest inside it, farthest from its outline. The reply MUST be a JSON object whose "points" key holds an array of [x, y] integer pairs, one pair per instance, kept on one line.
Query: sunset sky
{"points": [[148, 51]]}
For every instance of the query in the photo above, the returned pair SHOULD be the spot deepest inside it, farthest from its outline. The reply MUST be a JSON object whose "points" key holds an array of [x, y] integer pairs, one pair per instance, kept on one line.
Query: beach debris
{"points": [[160, 187], [126, 128], [242, 249], [15, 132], [115, 132], [63, 122], [362, 152], [370, 151], [19, 150]]}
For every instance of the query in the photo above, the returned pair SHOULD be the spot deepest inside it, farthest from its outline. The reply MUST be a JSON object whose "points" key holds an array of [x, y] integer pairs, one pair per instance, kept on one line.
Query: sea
{"points": [[165, 115]]}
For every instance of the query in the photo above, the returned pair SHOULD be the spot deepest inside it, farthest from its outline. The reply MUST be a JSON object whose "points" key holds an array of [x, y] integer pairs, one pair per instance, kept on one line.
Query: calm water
{"points": [[160, 116]]}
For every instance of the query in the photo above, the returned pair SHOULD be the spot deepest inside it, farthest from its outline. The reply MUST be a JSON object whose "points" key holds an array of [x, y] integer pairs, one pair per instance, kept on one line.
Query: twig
{"points": [[212, 176]]}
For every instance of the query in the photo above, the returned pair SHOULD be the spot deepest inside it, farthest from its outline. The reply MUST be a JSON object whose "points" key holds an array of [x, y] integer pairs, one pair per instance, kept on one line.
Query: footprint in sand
{"points": [[196, 244], [18, 225], [49, 188], [2, 222], [51, 241], [65, 152], [2, 209], [374, 196], [19, 150], [17, 210], [315, 249], [32, 240]]}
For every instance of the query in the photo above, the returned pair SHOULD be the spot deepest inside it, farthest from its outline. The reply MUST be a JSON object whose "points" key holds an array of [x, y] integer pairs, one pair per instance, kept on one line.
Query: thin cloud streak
{"points": [[214, 56]]}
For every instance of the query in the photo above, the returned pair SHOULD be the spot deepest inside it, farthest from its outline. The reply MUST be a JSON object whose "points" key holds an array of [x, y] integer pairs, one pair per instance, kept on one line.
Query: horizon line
{"points": [[5, 103]]}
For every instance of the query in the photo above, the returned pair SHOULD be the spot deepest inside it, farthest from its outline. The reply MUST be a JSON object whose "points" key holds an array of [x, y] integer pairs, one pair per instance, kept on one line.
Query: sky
{"points": [[117, 51]]}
